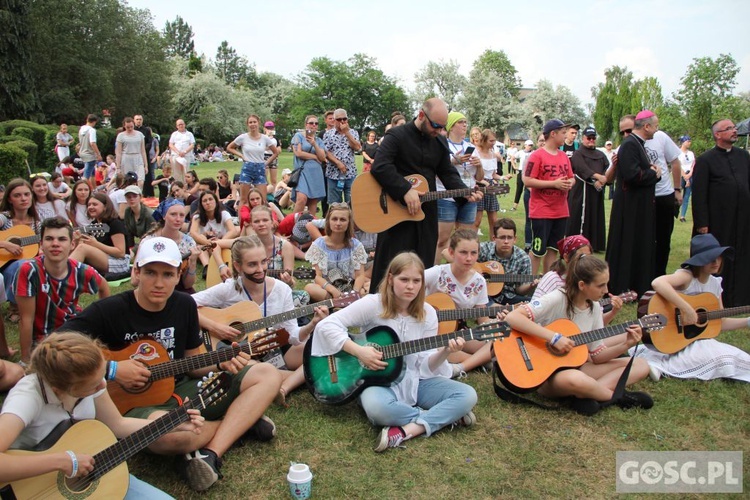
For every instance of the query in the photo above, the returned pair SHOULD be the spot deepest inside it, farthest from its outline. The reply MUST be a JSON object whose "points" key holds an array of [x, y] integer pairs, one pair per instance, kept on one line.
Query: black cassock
{"points": [[631, 244], [406, 151], [584, 201], [721, 202]]}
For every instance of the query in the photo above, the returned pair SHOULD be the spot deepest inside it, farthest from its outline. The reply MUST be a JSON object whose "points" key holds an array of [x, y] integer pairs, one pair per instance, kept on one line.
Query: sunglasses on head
{"points": [[626, 131]]}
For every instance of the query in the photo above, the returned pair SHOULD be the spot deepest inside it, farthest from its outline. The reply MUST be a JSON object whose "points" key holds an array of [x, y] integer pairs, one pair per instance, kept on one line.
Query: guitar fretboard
{"points": [[704, 316], [471, 313], [510, 278], [403, 348], [453, 193], [181, 366], [603, 333], [268, 321]]}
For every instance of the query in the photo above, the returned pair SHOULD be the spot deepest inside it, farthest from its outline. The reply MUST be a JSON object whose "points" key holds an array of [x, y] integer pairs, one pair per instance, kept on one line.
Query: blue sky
{"points": [[567, 43]]}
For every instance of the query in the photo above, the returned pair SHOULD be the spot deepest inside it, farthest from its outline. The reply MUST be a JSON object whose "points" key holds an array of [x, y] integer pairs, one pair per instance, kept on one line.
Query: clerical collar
{"points": [[728, 150]]}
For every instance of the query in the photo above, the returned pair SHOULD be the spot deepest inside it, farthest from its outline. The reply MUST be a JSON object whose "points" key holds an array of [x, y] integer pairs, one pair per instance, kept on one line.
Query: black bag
{"points": [[294, 179]]}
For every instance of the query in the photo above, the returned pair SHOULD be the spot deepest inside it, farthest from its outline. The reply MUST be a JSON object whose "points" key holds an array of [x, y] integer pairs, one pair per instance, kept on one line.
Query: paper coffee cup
{"points": [[300, 481]]}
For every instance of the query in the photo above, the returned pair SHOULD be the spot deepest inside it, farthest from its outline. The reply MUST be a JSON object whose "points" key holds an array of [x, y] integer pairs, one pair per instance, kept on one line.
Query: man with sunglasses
{"points": [[341, 142], [414, 148], [631, 242], [721, 197]]}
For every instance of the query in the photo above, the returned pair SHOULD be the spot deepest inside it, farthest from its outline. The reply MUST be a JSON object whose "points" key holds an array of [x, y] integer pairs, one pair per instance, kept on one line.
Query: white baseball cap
{"points": [[529, 142], [158, 249], [286, 171], [132, 190]]}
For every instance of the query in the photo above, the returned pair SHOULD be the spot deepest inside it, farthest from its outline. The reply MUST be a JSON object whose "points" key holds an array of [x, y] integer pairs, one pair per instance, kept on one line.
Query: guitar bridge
{"points": [[332, 370], [525, 354]]}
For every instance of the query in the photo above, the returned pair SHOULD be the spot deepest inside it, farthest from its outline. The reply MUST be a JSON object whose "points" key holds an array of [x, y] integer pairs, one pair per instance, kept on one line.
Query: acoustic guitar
{"points": [[676, 336], [214, 278], [246, 317], [525, 361], [448, 315], [374, 211], [160, 385], [110, 477], [28, 240], [339, 378], [495, 276]]}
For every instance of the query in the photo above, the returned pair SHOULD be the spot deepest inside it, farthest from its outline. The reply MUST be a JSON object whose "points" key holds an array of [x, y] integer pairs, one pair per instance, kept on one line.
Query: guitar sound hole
{"points": [[76, 488], [692, 331]]}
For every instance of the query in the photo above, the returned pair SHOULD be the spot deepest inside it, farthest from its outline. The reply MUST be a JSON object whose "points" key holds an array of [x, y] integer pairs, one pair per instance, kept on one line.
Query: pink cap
{"points": [[642, 115]]}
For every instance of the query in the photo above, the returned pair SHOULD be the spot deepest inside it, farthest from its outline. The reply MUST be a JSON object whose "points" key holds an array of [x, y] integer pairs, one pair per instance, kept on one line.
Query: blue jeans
{"points": [[440, 402], [141, 490], [335, 193], [686, 192], [9, 275]]}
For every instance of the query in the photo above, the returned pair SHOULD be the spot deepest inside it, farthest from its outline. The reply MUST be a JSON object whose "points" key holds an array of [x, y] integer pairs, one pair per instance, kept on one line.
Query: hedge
{"points": [[12, 162], [23, 144]]}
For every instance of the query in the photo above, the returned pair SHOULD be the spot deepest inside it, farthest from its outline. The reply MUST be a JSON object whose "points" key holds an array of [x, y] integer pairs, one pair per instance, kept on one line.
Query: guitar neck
{"points": [[703, 316], [29, 240], [181, 366], [273, 320], [404, 348], [601, 333], [450, 193], [510, 278], [472, 313], [114, 455]]}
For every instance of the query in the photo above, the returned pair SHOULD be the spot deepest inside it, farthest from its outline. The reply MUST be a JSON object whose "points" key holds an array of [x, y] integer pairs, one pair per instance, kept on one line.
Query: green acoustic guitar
{"points": [[339, 378]]}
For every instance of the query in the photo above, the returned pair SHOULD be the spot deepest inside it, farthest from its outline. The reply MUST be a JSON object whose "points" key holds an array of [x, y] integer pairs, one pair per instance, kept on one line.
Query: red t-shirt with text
{"points": [[548, 203]]}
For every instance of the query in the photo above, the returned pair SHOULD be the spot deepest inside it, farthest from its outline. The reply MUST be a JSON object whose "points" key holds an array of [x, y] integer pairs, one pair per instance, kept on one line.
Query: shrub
{"points": [[12, 162], [24, 132], [25, 145], [38, 134]]}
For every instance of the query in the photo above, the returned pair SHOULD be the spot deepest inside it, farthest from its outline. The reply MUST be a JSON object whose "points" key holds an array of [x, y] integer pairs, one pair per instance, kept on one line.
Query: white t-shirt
{"points": [[553, 306], [471, 294], [64, 188], [117, 196], [182, 140], [687, 161], [522, 157], [25, 401], [50, 209], [278, 300], [253, 149], [466, 170], [219, 228], [86, 135], [661, 151]]}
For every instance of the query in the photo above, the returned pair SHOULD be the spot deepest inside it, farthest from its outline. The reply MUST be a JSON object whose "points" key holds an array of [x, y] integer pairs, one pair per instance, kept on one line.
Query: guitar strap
{"points": [[509, 396]]}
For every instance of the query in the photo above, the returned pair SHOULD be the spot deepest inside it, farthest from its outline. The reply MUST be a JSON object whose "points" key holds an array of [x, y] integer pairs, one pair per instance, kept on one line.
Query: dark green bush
{"points": [[12, 162], [25, 145], [24, 132]]}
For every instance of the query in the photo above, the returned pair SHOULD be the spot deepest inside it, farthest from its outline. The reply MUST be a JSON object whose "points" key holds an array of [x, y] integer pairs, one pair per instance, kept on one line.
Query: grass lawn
{"points": [[513, 451]]}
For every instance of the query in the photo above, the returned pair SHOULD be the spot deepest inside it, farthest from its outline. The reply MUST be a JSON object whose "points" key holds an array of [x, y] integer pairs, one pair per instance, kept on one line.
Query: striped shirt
{"points": [[56, 299]]}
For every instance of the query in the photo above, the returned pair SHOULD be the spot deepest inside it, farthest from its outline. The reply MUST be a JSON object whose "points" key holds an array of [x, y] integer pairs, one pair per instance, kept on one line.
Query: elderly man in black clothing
{"points": [[721, 201], [415, 148]]}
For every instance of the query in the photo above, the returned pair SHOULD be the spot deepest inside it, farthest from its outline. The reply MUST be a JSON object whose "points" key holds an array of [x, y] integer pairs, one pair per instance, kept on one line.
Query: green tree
{"points": [[439, 79], [497, 62], [549, 102], [18, 98], [648, 94], [357, 85], [83, 65], [211, 108], [231, 67], [178, 35], [614, 99], [704, 91]]}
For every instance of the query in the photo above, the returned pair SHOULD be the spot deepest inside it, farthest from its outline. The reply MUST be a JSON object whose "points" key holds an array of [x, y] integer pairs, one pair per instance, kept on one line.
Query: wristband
{"points": [[326, 284], [748, 325], [73, 459], [111, 370], [555, 338], [192, 273], [222, 266]]}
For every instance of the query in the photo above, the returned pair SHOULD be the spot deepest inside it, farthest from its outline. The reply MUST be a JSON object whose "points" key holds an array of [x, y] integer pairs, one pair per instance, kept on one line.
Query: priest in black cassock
{"points": [[586, 199], [721, 206], [631, 247]]}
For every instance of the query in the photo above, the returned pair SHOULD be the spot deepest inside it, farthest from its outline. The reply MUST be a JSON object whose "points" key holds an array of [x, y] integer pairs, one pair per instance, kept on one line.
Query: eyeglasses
{"points": [[433, 124], [590, 137], [733, 127], [626, 131], [311, 123], [343, 119]]}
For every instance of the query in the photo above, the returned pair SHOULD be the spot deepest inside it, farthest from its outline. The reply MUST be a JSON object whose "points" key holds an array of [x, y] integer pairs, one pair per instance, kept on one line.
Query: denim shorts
{"points": [[253, 173], [449, 211]]}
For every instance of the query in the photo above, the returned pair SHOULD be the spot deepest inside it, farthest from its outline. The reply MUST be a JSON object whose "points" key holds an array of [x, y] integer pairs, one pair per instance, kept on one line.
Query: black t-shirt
{"points": [[370, 149], [116, 226], [119, 321], [224, 191], [164, 186]]}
